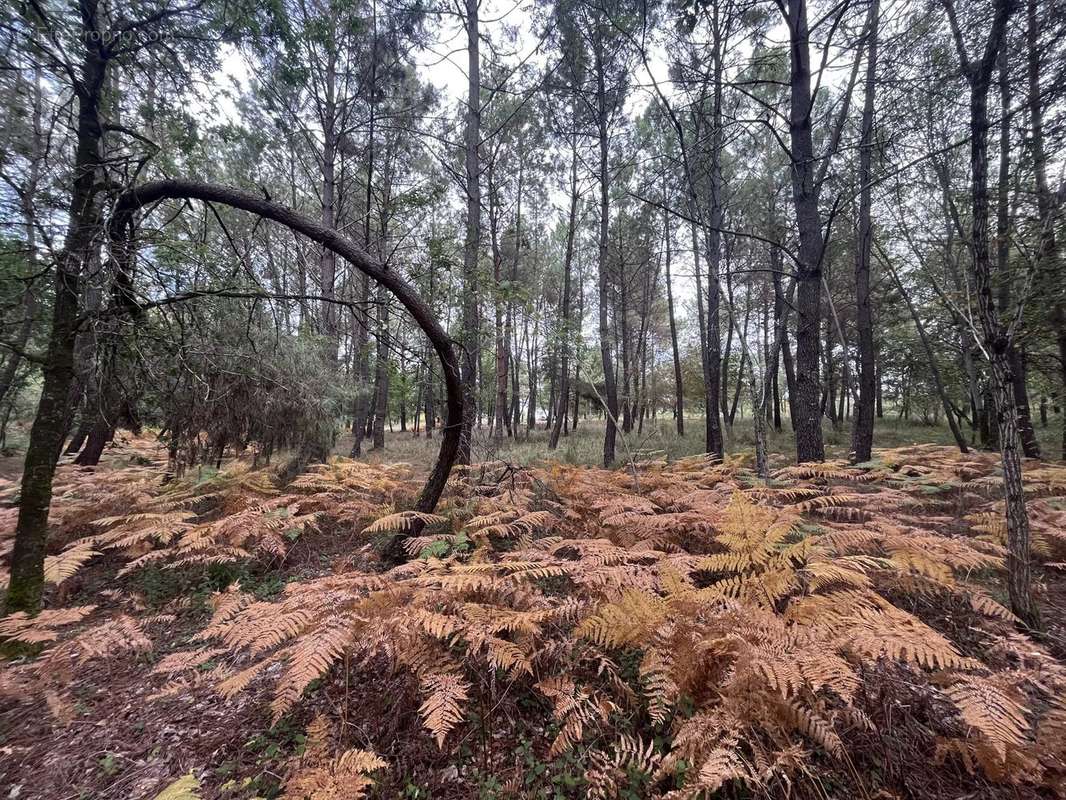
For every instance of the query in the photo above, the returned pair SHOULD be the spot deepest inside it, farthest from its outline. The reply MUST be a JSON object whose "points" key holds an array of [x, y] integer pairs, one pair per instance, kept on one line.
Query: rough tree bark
{"points": [[996, 336], [49, 425], [679, 394], [1045, 201], [606, 357], [862, 432], [1004, 223], [566, 333], [472, 239], [806, 405]]}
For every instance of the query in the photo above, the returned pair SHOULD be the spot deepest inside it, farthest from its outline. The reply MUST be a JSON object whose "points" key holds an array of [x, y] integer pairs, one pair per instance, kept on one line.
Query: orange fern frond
{"points": [[404, 521], [443, 708], [988, 709]]}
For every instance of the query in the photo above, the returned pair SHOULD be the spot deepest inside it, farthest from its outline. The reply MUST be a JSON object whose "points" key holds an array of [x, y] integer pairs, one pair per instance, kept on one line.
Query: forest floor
{"points": [[584, 445], [560, 631]]}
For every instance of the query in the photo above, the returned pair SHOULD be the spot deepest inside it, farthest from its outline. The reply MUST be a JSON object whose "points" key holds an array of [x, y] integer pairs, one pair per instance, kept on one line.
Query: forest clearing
{"points": [[536, 399]]}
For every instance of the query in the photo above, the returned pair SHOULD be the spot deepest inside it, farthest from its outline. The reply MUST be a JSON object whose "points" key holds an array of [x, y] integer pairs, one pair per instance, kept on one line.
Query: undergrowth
{"points": [[569, 631]]}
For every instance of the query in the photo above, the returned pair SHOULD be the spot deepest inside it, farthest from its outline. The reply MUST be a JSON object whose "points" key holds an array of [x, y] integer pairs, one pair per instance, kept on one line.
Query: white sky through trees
{"points": [[513, 32]]}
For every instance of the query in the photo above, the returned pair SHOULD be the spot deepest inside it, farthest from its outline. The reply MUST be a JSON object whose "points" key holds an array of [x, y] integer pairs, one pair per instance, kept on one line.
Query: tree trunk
{"points": [[621, 323], [996, 337], [472, 241], [805, 404], [381, 370], [1045, 202], [715, 441], [531, 375], [781, 306], [27, 197], [365, 402], [862, 431], [49, 426], [360, 323], [1030, 445], [502, 355], [679, 392], [102, 430], [723, 371], [566, 334], [606, 358]]}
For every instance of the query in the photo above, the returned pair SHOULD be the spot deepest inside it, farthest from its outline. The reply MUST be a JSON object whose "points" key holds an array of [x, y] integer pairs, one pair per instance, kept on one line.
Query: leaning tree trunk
{"points": [[930, 355], [997, 336], [24, 593], [49, 426], [419, 310]]}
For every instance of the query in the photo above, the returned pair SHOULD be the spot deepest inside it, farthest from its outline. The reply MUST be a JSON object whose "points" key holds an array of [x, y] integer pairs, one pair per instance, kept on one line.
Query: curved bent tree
{"points": [[27, 562], [177, 189]]}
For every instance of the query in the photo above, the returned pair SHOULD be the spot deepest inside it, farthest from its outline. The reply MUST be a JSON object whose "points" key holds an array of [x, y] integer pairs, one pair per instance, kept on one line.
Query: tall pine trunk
{"points": [[1045, 202], [472, 239], [679, 393], [566, 335], [996, 337], [806, 405], [862, 432], [49, 426], [606, 357]]}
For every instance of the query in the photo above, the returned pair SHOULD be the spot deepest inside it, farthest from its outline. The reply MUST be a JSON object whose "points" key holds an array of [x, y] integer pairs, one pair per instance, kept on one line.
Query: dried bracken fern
{"points": [[992, 711], [443, 707], [20, 627], [403, 521], [320, 776], [700, 630], [234, 515]]}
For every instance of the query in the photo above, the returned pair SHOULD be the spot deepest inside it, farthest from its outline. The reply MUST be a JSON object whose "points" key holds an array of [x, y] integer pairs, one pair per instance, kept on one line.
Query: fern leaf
{"points": [[21, 627], [659, 688], [985, 707], [440, 626], [404, 521], [239, 681], [816, 728], [443, 709], [983, 604], [360, 761], [625, 622], [58, 568], [309, 659]]}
